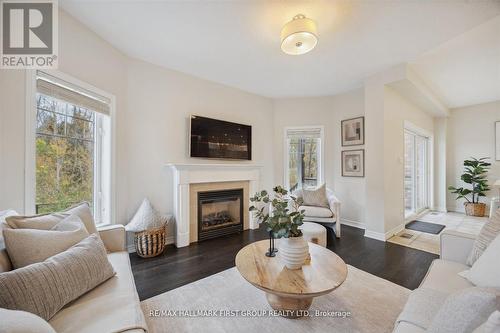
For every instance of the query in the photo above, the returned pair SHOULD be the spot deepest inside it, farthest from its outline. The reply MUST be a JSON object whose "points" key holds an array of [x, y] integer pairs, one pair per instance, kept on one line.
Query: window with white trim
{"points": [[303, 157], [73, 148]]}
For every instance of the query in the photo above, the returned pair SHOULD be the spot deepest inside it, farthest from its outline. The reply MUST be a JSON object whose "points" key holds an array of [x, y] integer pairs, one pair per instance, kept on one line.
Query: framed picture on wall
{"points": [[353, 163], [353, 131], [497, 140]]}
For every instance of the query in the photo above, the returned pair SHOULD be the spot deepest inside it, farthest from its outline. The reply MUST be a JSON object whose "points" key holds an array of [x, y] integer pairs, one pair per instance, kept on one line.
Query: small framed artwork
{"points": [[353, 131], [353, 163], [497, 140]]}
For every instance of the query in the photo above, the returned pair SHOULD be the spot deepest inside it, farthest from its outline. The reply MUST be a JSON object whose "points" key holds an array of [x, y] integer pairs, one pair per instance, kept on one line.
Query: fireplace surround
{"points": [[189, 179]]}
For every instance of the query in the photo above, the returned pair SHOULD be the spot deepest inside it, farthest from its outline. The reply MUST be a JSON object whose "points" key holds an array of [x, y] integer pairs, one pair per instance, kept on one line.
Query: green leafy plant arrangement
{"points": [[283, 222], [475, 171]]}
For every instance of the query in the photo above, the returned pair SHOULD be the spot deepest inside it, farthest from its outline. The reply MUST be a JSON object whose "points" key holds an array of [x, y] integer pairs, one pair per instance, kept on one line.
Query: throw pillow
{"points": [[486, 270], [29, 246], [47, 221], [146, 218], [3, 224], [46, 287], [22, 322], [464, 311], [491, 326], [316, 197], [489, 231]]}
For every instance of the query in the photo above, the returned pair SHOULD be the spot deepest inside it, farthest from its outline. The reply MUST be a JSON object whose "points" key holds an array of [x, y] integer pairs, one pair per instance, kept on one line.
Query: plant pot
{"points": [[293, 252], [475, 209]]}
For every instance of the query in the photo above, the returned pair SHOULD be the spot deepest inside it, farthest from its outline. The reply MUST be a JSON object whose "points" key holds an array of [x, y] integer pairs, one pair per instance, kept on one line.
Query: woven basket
{"points": [[150, 243], [475, 209]]}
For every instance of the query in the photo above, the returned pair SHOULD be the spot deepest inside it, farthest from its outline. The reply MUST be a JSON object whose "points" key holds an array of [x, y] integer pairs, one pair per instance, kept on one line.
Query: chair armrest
{"points": [[334, 204], [113, 237], [456, 246]]}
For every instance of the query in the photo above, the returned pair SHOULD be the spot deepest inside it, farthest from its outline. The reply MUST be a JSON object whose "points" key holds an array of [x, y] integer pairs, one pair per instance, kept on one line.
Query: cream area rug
{"points": [[225, 302]]}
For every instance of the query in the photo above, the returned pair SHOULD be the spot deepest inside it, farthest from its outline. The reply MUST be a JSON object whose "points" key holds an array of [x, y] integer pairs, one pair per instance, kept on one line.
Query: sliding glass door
{"points": [[416, 175]]}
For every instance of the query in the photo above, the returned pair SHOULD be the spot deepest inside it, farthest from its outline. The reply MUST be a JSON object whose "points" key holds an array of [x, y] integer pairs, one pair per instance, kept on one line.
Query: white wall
{"points": [[160, 102], [398, 110], [471, 133], [328, 112]]}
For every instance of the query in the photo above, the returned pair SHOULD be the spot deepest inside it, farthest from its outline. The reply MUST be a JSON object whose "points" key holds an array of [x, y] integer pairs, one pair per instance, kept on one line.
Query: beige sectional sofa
{"points": [[113, 306], [441, 280]]}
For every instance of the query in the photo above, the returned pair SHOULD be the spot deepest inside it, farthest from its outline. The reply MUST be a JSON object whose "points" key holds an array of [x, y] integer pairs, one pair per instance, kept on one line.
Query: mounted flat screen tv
{"points": [[212, 138]]}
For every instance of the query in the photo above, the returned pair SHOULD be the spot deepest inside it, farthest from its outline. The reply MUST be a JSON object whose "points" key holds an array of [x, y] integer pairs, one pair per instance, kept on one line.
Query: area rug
{"points": [[225, 302], [430, 228]]}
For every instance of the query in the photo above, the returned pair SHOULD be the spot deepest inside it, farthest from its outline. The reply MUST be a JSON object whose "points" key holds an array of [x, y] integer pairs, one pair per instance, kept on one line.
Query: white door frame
{"points": [[412, 128]]}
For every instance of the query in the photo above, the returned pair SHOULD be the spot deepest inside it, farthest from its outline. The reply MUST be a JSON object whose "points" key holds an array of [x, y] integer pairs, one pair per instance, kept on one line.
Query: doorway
{"points": [[416, 173]]}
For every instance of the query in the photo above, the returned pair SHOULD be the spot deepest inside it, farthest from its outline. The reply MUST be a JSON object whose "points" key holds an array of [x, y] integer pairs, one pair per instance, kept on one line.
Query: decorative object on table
{"points": [[353, 131], [353, 163], [149, 228], [475, 171], [283, 221], [271, 252], [497, 140]]}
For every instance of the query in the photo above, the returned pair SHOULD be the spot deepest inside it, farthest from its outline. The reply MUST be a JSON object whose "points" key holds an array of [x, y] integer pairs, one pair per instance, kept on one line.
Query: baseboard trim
{"points": [[394, 231], [352, 223], [168, 240], [375, 235], [384, 236]]}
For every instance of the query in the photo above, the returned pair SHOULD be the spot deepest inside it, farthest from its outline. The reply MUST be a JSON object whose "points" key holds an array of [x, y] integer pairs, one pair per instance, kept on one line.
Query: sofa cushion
{"points": [[29, 246], [45, 287], [421, 307], [111, 307], [464, 311], [48, 221], [314, 211], [315, 197], [443, 276], [13, 321], [404, 327], [487, 234], [486, 270]]}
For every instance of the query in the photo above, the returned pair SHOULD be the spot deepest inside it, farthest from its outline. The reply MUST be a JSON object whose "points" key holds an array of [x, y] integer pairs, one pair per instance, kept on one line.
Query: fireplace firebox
{"points": [[219, 213]]}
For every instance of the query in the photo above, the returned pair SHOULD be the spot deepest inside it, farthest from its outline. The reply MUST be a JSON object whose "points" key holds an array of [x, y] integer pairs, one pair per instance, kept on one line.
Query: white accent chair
{"points": [[328, 216]]}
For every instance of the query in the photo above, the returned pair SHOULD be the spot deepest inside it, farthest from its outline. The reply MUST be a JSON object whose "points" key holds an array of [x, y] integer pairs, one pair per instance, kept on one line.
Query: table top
{"points": [[322, 273]]}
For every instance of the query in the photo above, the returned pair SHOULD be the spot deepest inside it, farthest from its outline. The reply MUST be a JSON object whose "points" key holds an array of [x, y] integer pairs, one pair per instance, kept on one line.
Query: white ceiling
{"points": [[237, 42], [465, 70]]}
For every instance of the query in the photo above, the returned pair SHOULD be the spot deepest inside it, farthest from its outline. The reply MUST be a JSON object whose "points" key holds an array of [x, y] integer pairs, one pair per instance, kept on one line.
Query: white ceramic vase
{"points": [[293, 251]]}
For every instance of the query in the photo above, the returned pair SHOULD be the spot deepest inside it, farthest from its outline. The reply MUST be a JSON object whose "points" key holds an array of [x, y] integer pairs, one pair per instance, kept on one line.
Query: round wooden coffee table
{"points": [[291, 291]]}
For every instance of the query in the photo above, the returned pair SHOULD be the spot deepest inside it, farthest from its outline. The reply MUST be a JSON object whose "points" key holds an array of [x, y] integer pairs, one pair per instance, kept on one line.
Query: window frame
{"points": [[286, 156], [30, 147]]}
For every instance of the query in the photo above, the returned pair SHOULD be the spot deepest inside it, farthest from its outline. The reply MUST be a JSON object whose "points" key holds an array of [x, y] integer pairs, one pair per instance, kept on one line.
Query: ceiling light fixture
{"points": [[299, 36]]}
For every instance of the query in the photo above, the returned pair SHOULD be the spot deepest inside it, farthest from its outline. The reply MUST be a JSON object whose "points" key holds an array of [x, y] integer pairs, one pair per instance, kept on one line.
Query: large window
{"points": [[303, 165], [72, 148], [416, 173]]}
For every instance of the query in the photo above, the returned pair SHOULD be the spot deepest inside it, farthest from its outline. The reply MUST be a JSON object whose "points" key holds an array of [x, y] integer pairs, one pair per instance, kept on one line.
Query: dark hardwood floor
{"points": [[177, 267]]}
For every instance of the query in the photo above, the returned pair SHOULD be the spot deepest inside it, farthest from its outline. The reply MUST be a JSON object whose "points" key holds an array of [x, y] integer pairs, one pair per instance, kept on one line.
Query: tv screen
{"points": [[212, 138]]}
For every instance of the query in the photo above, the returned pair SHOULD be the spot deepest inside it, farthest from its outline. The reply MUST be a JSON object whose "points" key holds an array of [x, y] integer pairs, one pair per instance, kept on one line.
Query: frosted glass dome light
{"points": [[299, 36]]}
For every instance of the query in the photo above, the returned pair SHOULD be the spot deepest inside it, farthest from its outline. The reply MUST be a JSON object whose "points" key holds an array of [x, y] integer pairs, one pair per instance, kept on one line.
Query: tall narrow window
{"points": [[304, 161], [72, 148], [416, 180]]}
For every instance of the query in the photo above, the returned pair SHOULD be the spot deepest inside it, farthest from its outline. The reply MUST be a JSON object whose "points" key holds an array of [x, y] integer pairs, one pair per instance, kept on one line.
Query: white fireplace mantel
{"points": [[186, 174]]}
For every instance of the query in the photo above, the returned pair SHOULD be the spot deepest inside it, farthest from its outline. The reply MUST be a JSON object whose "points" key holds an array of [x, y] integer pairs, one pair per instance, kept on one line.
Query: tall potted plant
{"points": [[475, 171], [283, 221]]}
